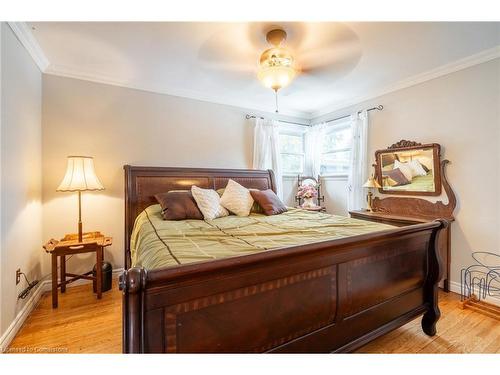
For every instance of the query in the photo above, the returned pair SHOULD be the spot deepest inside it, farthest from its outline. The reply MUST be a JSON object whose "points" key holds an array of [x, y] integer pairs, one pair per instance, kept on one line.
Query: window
{"points": [[336, 150], [292, 151]]}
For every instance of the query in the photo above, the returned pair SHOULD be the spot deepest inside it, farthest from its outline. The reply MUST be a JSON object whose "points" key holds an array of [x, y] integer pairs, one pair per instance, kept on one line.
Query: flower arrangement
{"points": [[307, 191]]}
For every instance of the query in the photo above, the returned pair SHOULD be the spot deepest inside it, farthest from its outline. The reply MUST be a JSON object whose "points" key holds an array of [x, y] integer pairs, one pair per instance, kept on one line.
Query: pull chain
{"points": [[276, 99]]}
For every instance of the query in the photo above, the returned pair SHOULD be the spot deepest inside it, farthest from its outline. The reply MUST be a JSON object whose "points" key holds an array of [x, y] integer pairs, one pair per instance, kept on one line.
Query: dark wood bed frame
{"points": [[331, 296]]}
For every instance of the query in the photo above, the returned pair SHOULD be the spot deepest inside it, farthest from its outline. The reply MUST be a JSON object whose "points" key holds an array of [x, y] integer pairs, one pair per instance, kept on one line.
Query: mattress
{"points": [[157, 243]]}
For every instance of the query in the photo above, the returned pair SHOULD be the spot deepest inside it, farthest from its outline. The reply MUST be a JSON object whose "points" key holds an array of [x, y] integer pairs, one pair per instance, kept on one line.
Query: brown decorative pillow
{"points": [[269, 201], [397, 176], [178, 205]]}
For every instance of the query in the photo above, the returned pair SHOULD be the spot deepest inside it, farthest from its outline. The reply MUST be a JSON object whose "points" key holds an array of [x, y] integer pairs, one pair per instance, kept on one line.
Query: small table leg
{"points": [[446, 285], [63, 273], [99, 273], [54, 280]]}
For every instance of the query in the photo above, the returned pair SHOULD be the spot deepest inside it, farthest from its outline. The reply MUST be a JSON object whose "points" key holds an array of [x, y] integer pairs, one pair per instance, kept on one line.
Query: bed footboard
{"points": [[332, 296]]}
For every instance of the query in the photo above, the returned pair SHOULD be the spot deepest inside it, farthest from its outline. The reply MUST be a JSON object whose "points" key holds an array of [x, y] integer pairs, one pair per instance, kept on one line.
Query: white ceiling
{"points": [[217, 62]]}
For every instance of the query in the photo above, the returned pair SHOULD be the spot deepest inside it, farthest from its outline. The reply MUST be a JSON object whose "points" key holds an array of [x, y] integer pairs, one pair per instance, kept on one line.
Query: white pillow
{"points": [[208, 202], [405, 169], [416, 168], [237, 199]]}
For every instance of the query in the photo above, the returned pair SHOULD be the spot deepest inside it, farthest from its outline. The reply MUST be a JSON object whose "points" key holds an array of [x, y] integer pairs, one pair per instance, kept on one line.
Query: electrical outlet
{"points": [[18, 276]]}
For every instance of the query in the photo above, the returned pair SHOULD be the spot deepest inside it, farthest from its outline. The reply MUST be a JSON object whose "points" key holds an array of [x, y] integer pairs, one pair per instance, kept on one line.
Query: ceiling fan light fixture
{"points": [[276, 77], [276, 68]]}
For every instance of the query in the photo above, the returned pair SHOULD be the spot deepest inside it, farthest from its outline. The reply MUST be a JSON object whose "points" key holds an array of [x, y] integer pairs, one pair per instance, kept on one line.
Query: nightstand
{"points": [[69, 245], [401, 221]]}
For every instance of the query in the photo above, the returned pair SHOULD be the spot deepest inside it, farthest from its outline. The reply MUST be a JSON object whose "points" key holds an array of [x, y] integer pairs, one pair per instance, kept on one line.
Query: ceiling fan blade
{"points": [[332, 59], [229, 66], [328, 45], [228, 49], [302, 83]]}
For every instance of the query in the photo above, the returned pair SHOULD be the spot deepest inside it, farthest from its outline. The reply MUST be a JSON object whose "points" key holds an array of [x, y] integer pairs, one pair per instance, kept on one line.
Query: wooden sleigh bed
{"points": [[330, 296]]}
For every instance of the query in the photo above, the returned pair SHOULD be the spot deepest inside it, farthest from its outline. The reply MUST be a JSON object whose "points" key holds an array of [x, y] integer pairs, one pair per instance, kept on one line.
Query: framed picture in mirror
{"points": [[409, 168]]}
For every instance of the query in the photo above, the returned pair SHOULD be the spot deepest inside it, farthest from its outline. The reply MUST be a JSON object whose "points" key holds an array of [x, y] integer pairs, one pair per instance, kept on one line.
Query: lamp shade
{"points": [[371, 183], [276, 68], [276, 77], [388, 182], [80, 175]]}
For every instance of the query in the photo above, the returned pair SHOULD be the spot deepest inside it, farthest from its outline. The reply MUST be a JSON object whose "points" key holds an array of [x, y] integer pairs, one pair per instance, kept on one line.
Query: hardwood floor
{"points": [[458, 331], [83, 324]]}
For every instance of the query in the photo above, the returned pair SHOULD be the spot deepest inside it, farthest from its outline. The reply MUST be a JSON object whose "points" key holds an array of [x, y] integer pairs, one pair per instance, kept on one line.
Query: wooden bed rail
{"points": [[322, 297]]}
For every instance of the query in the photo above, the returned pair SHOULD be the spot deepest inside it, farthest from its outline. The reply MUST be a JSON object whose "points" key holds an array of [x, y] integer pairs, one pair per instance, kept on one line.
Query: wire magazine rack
{"points": [[480, 281]]}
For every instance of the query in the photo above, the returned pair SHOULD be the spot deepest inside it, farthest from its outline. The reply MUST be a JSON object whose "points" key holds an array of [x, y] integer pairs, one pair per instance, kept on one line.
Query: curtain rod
{"points": [[378, 108], [287, 122]]}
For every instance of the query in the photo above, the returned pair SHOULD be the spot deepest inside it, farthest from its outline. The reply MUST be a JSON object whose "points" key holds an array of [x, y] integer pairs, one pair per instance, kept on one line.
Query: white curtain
{"points": [[313, 145], [266, 150], [358, 162]]}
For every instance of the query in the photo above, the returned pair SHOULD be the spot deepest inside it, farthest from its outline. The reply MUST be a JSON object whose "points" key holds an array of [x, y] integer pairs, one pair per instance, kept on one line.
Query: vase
{"points": [[308, 203]]}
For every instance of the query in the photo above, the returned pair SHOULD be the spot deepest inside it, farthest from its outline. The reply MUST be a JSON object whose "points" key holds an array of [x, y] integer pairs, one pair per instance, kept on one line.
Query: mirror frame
{"points": [[404, 145]]}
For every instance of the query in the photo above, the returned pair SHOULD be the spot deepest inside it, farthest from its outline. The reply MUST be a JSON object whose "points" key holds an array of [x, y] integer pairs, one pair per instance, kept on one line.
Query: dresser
{"points": [[403, 220]]}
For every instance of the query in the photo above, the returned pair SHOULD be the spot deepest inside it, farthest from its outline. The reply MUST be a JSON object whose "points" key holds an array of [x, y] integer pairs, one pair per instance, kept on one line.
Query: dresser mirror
{"points": [[409, 168]]}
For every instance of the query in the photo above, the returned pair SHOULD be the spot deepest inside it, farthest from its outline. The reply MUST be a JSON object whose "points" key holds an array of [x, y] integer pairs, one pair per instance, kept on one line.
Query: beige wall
{"points": [[120, 126], [21, 226], [460, 111]]}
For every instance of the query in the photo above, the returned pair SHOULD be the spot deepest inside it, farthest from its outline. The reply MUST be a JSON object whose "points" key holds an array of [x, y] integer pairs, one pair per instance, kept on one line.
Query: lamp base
{"points": [[80, 232], [369, 201]]}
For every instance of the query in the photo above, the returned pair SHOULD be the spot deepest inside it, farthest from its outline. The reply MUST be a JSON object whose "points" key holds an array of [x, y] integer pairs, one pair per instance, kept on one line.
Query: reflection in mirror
{"points": [[411, 170]]}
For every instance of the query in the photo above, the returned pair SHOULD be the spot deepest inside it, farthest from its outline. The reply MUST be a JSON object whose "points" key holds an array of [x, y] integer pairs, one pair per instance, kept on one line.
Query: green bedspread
{"points": [[418, 183], [157, 243]]}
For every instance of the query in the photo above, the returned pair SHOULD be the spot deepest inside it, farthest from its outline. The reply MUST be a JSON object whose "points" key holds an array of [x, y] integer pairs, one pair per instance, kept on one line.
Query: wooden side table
{"points": [[69, 245]]}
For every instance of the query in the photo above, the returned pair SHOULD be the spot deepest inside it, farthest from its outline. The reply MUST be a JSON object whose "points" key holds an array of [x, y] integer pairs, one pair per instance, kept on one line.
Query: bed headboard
{"points": [[142, 183]]}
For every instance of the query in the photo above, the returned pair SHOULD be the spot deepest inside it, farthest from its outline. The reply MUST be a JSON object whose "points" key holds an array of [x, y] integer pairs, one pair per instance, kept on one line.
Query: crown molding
{"points": [[68, 72], [23, 33], [464, 63]]}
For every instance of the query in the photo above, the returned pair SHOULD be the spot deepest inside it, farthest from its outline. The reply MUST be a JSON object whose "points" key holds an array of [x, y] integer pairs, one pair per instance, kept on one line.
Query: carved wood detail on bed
{"points": [[223, 318]]}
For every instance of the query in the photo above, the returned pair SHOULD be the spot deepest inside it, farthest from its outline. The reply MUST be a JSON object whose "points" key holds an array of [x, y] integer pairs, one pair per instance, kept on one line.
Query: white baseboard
{"points": [[457, 288], [31, 303], [21, 317]]}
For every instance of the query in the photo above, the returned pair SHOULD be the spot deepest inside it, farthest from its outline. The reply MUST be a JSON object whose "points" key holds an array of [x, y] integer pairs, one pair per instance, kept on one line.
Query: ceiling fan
{"points": [[277, 68], [303, 53]]}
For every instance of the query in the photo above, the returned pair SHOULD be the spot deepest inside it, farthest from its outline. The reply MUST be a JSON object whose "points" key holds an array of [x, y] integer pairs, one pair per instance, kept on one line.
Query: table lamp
{"points": [[370, 184], [80, 176]]}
